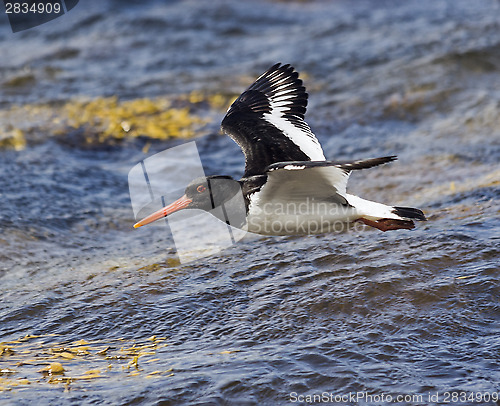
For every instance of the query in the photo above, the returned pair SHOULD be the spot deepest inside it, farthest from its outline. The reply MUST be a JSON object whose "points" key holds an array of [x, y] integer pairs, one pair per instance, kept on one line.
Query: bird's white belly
{"points": [[293, 218]]}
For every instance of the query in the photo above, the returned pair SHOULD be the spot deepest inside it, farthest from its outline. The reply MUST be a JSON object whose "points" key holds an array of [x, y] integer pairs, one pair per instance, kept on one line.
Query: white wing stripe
{"points": [[307, 144]]}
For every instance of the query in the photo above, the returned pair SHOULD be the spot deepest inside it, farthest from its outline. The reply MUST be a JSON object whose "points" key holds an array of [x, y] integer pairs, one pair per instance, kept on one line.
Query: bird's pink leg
{"points": [[388, 224]]}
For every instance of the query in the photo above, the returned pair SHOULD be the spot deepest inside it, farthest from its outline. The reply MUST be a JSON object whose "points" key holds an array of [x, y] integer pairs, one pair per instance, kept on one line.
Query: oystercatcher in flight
{"points": [[288, 186]]}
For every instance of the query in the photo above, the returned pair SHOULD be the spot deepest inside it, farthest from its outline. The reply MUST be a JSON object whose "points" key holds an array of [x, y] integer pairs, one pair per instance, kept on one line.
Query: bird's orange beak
{"points": [[179, 204]]}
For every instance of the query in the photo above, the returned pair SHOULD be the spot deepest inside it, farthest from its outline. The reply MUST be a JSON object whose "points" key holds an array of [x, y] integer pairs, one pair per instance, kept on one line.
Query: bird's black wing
{"points": [[267, 121]]}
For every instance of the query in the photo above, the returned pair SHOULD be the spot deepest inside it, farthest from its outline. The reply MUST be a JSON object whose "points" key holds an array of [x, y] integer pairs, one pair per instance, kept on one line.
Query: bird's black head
{"points": [[209, 192], [205, 193]]}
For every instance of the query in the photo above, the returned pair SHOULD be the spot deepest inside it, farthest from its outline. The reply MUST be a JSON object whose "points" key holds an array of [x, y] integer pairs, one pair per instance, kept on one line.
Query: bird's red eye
{"points": [[201, 189]]}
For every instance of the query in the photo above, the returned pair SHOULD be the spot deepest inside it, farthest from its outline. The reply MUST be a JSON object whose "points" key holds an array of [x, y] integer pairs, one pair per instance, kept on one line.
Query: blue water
{"points": [[270, 320]]}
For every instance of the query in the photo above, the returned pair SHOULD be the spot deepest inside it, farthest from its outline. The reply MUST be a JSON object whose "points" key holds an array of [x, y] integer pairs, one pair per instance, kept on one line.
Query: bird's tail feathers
{"points": [[385, 217], [409, 213]]}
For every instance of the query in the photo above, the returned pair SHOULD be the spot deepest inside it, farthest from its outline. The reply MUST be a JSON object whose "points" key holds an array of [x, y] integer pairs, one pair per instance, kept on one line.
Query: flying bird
{"points": [[288, 187]]}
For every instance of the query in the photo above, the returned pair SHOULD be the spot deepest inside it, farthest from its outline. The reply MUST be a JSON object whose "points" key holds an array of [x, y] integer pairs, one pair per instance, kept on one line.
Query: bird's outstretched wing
{"points": [[325, 180], [267, 121]]}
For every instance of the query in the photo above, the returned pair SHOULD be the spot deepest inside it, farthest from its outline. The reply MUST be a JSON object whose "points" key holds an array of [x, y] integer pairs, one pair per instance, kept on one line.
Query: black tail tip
{"points": [[409, 213]]}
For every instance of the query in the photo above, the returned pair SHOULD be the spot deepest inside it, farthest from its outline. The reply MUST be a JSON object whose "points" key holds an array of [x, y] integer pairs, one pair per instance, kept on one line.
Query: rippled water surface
{"points": [[412, 313]]}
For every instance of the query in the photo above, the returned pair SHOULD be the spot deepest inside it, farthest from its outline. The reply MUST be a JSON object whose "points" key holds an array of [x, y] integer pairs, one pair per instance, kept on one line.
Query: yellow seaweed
{"points": [[229, 351], [6, 350], [107, 118], [66, 355], [110, 119], [30, 351], [53, 368], [80, 342]]}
